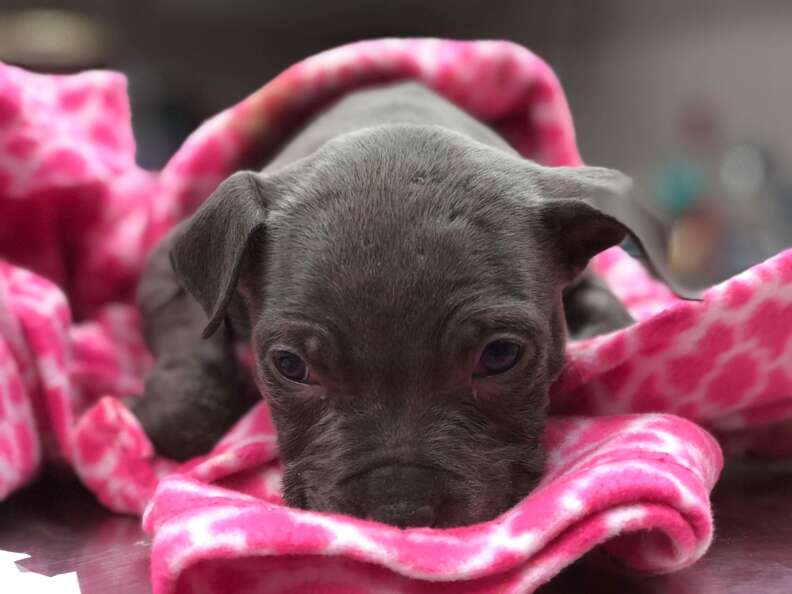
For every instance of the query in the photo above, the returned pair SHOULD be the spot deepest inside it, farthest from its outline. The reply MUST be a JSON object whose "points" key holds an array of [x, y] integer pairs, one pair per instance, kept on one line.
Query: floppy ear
{"points": [[589, 210], [207, 252]]}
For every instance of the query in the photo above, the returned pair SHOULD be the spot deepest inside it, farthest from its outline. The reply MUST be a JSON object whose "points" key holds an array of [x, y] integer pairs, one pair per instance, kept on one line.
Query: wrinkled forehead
{"points": [[393, 258]]}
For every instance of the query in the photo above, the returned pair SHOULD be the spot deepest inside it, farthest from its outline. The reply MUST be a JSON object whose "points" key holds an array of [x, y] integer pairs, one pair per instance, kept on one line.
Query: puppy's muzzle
{"points": [[400, 495]]}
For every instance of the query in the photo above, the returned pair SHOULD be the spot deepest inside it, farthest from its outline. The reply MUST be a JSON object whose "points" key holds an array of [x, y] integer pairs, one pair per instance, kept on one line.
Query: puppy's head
{"points": [[405, 290]]}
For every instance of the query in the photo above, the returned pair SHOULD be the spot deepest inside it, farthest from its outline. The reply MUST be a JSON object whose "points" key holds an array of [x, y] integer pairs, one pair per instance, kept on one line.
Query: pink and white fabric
{"points": [[78, 217]]}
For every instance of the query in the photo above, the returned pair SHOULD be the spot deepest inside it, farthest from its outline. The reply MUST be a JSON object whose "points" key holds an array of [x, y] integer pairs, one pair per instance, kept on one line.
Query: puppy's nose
{"points": [[403, 496]]}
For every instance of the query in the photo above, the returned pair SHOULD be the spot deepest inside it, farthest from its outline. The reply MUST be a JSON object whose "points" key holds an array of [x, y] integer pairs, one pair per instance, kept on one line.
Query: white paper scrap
{"points": [[16, 580]]}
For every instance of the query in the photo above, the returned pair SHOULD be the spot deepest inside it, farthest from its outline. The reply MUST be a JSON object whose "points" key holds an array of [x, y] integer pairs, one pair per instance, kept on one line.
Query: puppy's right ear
{"points": [[207, 252]]}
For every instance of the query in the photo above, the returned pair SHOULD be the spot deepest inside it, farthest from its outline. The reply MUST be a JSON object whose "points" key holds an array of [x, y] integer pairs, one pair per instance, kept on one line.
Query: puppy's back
{"points": [[395, 103]]}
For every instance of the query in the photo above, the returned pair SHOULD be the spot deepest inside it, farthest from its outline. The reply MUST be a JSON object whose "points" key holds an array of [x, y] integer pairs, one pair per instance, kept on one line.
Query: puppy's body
{"points": [[388, 246], [401, 104]]}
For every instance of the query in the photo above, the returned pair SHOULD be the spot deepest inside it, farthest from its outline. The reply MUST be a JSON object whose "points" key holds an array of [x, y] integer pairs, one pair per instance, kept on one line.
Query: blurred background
{"points": [[691, 98]]}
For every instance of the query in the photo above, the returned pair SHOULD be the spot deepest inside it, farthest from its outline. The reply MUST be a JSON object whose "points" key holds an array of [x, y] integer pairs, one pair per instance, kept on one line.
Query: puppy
{"points": [[407, 282]]}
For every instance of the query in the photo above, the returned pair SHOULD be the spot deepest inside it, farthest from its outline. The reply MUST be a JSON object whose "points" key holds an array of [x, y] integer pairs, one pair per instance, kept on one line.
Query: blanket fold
{"points": [[78, 217], [639, 483]]}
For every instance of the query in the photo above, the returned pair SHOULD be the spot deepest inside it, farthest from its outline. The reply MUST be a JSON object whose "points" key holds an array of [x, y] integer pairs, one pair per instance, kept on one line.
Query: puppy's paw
{"points": [[188, 405], [591, 309], [605, 323]]}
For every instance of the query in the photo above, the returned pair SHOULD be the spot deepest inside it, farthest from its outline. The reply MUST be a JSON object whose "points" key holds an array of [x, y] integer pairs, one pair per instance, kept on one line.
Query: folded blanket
{"points": [[77, 218], [643, 479]]}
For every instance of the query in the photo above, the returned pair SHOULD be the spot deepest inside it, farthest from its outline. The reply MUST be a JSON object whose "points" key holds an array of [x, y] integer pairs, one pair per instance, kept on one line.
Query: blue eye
{"points": [[498, 357], [290, 366]]}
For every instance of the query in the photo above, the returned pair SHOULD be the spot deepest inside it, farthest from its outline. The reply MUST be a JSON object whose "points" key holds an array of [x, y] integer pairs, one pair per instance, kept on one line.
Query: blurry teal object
{"points": [[679, 184], [629, 246]]}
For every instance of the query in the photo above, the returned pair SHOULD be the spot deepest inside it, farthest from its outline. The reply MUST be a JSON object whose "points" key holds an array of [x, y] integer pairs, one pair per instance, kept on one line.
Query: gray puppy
{"points": [[407, 282]]}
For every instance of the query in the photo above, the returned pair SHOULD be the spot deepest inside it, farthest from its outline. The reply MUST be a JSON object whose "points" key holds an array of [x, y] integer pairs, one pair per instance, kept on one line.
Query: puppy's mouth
{"points": [[401, 491], [406, 495], [405, 491]]}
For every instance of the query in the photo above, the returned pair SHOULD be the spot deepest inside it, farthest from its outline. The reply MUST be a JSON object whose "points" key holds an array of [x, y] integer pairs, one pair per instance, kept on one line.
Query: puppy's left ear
{"points": [[589, 209], [208, 249]]}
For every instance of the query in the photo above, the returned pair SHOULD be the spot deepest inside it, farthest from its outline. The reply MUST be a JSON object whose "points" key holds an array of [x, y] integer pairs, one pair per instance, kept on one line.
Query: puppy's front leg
{"points": [[196, 390], [592, 309]]}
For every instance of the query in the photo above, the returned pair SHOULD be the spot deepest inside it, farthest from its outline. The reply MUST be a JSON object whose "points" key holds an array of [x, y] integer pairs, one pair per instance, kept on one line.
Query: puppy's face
{"points": [[405, 291]]}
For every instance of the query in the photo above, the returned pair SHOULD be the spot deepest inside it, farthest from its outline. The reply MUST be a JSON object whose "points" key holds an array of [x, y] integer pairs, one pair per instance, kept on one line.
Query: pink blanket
{"points": [[78, 216]]}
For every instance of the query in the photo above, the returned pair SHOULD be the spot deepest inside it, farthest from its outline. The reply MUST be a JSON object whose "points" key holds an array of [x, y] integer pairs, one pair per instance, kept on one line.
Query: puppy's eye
{"points": [[497, 357], [290, 366]]}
